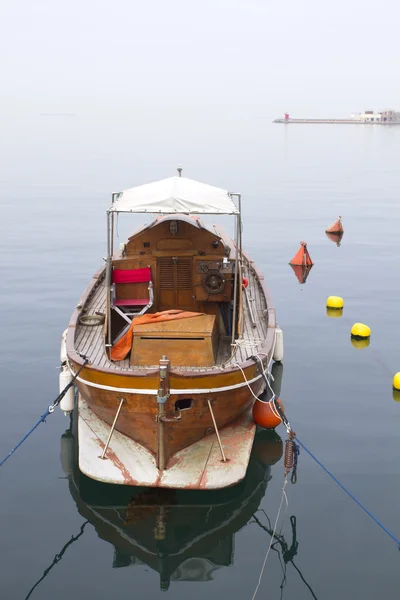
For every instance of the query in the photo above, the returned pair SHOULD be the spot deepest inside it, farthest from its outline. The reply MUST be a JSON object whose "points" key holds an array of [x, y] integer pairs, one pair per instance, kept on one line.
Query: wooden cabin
{"points": [[191, 269]]}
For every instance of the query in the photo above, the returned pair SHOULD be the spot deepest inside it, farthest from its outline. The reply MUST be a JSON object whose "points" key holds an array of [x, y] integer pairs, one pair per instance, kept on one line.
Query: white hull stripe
{"points": [[153, 392]]}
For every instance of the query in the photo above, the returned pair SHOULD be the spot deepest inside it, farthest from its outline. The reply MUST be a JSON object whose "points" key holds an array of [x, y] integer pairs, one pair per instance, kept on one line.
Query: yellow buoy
{"points": [[360, 343], [335, 302], [334, 313], [359, 330], [396, 381]]}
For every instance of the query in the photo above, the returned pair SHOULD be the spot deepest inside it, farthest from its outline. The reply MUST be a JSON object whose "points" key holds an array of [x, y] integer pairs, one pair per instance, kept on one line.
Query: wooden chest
{"points": [[190, 342]]}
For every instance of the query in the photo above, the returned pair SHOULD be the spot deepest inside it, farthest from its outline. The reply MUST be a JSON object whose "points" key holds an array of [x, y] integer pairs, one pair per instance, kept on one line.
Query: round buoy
{"points": [[334, 313], [245, 282], [359, 330], [396, 381], [266, 416], [335, 302], [360, 343], [268, 448]]}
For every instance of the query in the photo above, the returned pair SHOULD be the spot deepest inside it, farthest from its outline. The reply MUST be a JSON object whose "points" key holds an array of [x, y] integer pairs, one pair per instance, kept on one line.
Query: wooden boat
{"points": [[174, 337]]}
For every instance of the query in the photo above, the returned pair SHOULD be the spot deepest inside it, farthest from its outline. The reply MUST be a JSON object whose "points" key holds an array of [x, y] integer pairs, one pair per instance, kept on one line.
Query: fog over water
{"points": [[97, 97]]}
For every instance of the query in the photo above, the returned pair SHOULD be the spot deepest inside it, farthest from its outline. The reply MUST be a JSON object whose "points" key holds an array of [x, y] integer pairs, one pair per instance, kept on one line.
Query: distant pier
{"points": [[336, 121], [368, 117]]}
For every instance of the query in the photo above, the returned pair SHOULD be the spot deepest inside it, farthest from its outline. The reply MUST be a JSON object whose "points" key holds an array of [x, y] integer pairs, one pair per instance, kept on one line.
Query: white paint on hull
{"points": [[197, 467]]}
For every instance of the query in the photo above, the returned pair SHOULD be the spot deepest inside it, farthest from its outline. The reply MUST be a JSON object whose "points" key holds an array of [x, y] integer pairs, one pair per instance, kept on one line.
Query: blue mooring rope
{"points": [[349, 493], [50, 409], [293, 436], [41, 420]]}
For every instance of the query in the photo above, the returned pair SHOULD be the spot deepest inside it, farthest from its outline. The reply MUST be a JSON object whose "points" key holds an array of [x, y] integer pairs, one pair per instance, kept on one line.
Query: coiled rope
{"points": [[48, 412]]}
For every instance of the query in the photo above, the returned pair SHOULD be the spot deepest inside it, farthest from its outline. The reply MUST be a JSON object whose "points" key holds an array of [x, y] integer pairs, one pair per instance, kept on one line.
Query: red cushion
{"points": [[131, 275], [131, 302]]}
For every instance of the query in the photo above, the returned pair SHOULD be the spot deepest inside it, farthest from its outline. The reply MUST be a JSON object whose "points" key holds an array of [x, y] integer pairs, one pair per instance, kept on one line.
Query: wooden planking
{"points": [[90, 340], [252, 337]]}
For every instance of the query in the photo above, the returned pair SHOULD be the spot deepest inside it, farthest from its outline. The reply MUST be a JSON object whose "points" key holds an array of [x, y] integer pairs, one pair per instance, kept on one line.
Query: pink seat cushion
{"points": [[131, 275], [131, 302]]}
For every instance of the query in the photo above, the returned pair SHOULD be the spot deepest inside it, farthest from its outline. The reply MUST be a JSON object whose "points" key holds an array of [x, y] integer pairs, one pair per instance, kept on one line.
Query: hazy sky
{"points": [[158, 80]]}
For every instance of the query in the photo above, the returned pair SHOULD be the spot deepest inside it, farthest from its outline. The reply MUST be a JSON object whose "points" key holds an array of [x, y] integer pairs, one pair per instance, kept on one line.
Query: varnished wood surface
{"points": [[189, 235], [190, 341], [138, 415], [90, 340]]}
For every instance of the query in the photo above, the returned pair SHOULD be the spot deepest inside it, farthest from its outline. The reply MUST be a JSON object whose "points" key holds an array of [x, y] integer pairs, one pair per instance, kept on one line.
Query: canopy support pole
{"points": [[238, 243], [239, 196], [112, 234], [108, 280]]}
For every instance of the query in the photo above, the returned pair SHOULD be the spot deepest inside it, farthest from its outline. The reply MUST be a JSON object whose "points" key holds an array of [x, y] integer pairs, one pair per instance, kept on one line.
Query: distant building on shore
{"points": [[369, 116], [385, 117]]}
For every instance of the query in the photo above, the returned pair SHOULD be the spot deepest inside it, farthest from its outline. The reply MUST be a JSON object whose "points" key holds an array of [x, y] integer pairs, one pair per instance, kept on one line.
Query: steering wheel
{"points": [[213, 282]]}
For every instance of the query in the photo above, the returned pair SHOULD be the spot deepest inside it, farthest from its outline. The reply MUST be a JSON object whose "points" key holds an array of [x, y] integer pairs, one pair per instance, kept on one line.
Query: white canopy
{"points": [[175, 195]]}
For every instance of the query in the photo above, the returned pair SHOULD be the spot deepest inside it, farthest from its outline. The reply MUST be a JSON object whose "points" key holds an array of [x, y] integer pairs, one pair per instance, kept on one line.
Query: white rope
{"points": [[253, 342], [245, 378], [275, 412], [271, 402], [269, 385], [272, 537], [267, 376]]}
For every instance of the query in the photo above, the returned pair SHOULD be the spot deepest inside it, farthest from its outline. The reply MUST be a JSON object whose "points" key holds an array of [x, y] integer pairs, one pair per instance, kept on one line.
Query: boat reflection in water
{"points": [[183, 535]]}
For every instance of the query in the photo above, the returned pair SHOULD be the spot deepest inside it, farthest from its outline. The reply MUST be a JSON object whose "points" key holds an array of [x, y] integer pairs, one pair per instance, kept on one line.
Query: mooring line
{"points": [[381, 525], [57, 558], [293, 436], [48, 412], [284, 548], [272, 539]]}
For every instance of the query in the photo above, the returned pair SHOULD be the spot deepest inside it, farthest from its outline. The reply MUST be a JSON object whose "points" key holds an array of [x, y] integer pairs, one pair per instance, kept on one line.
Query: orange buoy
{"points": [[302, 257], [245, 282], [265, 415], [268, 447], [336, 227]]}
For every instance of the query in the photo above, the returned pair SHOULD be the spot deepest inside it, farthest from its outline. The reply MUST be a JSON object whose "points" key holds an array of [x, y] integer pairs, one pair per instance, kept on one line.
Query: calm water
{"points": [[295, 181]]}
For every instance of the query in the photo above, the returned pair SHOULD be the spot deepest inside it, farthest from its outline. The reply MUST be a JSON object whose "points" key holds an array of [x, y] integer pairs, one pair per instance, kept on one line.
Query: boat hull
{"points": [[228, 394], [198, 466]]}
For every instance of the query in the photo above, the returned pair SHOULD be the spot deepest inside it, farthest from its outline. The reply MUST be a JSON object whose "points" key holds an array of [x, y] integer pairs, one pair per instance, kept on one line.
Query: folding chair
{"points": [[128, 308]]}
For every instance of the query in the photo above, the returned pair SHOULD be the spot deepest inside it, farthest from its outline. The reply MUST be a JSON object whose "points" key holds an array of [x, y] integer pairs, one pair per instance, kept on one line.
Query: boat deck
{"points": [[89, 340]]}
